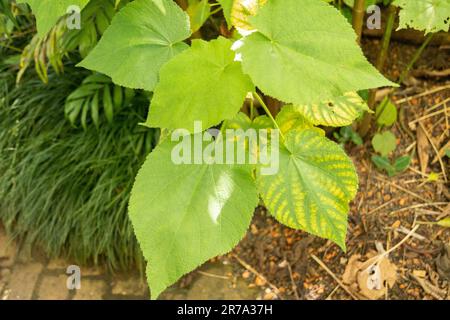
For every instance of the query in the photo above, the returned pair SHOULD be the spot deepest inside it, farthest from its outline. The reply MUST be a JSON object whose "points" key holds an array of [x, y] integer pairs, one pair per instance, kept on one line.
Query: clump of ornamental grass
{"points": [[66, 189]]}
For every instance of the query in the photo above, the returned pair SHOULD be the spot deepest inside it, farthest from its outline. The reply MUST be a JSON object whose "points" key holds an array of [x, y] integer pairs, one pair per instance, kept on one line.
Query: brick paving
{"points": [[24, 277], [34, 276]]}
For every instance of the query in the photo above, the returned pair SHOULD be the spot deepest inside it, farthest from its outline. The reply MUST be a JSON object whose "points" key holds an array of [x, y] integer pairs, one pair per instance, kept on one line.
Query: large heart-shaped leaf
{"points": [[313, 186], [203, 83], [305, 52], [143, 36], [185, 214], [47, 12], [336, 112], [424, 15]]}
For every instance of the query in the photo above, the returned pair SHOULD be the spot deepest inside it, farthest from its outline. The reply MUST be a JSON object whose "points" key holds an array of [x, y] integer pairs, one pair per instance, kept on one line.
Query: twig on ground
{"points": [[436, 151], [407, 191], [404, 230], [425, 93], [332, 292], [430, 289], [211, 275], [379, 257], [339, 282], [420, 205], [382, 206], [256, 273], [294, 286]]}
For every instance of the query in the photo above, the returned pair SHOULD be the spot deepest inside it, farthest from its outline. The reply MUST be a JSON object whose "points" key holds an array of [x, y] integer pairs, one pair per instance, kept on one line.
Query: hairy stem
{"points": [[416, 57]]}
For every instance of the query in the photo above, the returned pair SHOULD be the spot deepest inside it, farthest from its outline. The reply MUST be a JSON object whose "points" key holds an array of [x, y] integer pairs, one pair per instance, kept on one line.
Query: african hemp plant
{"points": [[303, 53]]}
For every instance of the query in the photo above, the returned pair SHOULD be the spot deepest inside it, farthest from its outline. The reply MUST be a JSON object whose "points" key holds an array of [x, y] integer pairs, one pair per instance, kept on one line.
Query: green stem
{"points": [[358, 17], [365, 124], [266, 109], [381, 60], [416, 57]]}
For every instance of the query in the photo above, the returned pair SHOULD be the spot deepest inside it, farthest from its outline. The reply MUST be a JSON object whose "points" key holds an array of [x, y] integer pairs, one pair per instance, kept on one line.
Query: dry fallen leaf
{"points": [[367, 279], [422, 149], [443, 263]]}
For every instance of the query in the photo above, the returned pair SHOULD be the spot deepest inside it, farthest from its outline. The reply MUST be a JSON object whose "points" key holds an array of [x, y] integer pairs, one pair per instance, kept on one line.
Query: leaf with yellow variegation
{"points": [[290, 119], [313, 187], [242, 10], [338, 112]]}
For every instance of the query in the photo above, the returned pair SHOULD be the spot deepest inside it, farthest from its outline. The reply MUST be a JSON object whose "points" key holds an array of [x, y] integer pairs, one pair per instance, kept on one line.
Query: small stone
{"points": [[260, 281]]}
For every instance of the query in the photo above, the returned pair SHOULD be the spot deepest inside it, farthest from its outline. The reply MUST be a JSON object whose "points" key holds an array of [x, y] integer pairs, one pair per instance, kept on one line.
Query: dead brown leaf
{"points": [[443, 263], [370, 280], [423, 146]]}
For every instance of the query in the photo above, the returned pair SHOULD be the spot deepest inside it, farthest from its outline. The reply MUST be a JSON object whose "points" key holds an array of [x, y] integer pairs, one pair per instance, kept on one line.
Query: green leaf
{"points": [[204, 83], [384, 143], [227, 5], [314, 184], [48, 12], [447, 153], [142, 37], [402, 163], [198, 11], [386, 113], [337, 112], [424, 15], [108, 104], [383, 163], [444, 222], [185, 214], [305, 52]]}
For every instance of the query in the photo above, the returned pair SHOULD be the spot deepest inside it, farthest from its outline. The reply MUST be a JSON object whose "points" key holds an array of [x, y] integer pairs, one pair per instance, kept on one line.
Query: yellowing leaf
{"points": [[445, 222], [242, 10], [312, 187], [336, 112]]}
